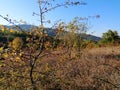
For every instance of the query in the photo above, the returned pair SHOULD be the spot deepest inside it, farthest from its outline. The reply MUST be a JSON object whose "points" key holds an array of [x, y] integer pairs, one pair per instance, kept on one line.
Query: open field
{"points": [[97, 69]]}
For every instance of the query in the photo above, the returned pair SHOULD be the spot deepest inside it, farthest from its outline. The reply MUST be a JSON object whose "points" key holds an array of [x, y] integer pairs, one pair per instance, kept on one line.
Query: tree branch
{"points": [[65, 4], [9, 20]]}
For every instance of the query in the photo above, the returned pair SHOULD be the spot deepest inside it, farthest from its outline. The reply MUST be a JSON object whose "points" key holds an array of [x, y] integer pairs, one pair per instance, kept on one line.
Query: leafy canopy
{"points": [[110, 37]]}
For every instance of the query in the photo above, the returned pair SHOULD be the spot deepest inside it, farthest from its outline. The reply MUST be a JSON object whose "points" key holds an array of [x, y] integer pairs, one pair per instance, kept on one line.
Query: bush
{"points": [[110, 37], [17, 43]]}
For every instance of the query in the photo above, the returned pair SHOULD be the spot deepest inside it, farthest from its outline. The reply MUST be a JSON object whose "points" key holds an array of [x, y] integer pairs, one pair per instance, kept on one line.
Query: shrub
{"points": [[17, 43]]}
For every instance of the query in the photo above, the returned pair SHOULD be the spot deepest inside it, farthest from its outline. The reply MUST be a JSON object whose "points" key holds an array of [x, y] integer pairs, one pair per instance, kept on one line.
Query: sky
{"points": [[107, 9]]}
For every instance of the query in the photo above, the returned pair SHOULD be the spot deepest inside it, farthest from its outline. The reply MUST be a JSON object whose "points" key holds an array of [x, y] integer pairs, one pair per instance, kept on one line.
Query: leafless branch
{"points": [[106, 81], [65, 4], [11, 22]]}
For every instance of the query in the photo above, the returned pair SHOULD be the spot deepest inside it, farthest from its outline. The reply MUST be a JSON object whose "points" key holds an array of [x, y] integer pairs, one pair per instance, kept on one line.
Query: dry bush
{"points": [[97, 69]]}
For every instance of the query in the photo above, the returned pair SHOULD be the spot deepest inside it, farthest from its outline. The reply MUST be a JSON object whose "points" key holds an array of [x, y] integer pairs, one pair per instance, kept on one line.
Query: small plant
{"points": [[17, 43]]}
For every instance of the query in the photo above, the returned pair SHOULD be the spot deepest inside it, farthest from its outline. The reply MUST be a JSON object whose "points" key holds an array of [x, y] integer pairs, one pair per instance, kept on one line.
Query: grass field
{"points": [[96, 69]]}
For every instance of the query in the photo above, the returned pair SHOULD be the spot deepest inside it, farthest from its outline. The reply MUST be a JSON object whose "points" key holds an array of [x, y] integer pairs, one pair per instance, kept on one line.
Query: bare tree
{"points": [[46, 6]]}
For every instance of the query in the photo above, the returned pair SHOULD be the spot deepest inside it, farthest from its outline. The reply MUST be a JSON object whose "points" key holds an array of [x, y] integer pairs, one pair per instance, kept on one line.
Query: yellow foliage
{"points": [[2, 30], [91, 45], [11, 30], [1, 48], [6, 55], [47, 68], [17, 58], [17, 43], [1, 79], [21, 54], [2, 65]]}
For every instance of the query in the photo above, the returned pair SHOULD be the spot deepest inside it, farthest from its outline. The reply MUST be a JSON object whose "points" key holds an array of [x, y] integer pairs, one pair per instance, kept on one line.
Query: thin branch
{"points": [[44, 5], [65, 4], [35, 14], [106, 81], [9, 20]]}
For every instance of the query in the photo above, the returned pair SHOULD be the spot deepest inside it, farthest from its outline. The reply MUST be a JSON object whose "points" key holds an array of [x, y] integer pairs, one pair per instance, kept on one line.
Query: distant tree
{"points": [[110, 37], [70, 34]]}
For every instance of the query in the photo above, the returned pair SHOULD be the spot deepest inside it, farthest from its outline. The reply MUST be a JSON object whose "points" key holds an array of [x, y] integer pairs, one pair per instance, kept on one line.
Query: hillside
{"points": [[51, 32]]}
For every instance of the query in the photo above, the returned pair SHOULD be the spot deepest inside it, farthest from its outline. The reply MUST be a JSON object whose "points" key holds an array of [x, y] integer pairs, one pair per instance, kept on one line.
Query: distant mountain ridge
{"points": [[51, 32], [25, 27], [92, 37]]}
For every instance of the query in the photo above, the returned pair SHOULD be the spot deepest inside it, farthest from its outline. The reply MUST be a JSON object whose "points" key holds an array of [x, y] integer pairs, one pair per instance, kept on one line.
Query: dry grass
{"points": [[103, 52], [97, 69]]}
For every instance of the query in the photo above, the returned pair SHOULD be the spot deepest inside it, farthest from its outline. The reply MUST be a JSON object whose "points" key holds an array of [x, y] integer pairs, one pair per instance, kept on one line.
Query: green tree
{"points": [[110, 37]]}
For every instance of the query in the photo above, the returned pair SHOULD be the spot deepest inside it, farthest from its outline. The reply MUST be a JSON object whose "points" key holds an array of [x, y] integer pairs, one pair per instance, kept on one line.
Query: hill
{"points": [[51, 32]]}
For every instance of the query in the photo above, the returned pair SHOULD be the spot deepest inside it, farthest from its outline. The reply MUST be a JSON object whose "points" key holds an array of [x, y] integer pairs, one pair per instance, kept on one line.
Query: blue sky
{"points": [[107, 9]]}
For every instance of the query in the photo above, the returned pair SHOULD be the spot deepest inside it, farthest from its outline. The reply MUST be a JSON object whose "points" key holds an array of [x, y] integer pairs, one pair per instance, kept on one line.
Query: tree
{"points": [[44, 8], [36, 40], [71, 34], [47, 6], [110, 37]]}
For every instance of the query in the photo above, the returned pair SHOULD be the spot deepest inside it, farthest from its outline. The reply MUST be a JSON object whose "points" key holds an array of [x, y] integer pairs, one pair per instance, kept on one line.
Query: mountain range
{"points": [[51, 32]]}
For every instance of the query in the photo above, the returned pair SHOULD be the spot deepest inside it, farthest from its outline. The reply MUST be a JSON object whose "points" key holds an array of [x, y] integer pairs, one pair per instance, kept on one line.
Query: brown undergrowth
{"points": [[97, 69]]}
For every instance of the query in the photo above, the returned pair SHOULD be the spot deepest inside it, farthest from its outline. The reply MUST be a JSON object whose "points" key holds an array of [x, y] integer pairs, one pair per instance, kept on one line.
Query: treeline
{"points": [[108, 38]]}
